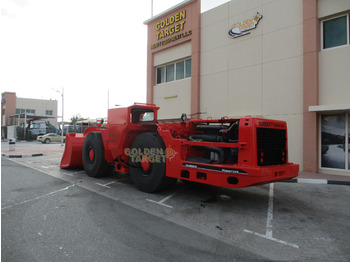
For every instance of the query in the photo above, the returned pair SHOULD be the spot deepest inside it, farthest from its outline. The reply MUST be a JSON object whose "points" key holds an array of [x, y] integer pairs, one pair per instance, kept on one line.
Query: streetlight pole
{"points": [[62, 94], [62, 116]]}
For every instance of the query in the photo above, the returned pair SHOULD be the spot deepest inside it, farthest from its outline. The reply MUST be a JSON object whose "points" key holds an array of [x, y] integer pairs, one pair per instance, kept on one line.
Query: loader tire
{"points": [[94, 162], [147, 165]]}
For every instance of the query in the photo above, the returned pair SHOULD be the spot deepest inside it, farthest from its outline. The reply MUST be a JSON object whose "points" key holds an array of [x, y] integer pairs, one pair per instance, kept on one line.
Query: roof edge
{"points": [[179, 5]]}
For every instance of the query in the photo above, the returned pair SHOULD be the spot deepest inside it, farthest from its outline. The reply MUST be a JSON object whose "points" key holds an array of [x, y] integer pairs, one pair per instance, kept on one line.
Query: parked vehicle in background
{"points": [[51, 137], [41, 127]]}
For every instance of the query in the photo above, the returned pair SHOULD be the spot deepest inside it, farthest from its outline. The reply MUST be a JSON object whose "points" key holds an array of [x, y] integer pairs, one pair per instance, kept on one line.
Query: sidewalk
{"points": [[35, 149], [30, 149]]}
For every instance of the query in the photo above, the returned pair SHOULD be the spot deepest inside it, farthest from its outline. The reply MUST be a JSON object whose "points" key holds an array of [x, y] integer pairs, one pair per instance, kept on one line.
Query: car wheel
{"points": [[47, 141]]}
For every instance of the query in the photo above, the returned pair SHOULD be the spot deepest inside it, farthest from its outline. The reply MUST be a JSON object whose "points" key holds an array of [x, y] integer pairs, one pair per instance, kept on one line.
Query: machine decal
{"points": [[219, 169]]}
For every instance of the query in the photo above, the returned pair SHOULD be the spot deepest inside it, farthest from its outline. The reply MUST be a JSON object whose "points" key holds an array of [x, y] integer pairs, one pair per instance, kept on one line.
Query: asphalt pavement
{"points": [[47, 219], [53, 214]]}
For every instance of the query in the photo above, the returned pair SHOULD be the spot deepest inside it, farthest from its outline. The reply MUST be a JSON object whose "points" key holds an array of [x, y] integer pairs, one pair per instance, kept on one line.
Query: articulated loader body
{"points": [[222, 152]]}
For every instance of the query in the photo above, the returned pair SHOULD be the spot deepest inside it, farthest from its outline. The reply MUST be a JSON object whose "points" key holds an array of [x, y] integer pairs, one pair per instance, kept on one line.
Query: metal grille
{"points": [[271, 146]]}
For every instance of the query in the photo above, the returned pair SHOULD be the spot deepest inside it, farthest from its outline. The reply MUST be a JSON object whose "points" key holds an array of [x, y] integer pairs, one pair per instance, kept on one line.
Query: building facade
{"points": [[15, 109], [285, 60]]}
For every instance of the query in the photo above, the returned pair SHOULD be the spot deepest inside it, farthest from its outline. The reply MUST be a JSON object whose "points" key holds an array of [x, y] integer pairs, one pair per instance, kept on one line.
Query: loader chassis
{"points": [[222, 152]]}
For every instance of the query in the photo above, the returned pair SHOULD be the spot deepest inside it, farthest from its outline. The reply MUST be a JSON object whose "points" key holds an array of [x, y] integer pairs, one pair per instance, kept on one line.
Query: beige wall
{"points": [[334, 63], [173, 98], [260, 74], [40, 107], [173, 54], [334, 76], [331, 7]]}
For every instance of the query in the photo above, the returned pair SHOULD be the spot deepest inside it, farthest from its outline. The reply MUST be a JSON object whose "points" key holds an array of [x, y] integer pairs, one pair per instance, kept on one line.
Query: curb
{"points": [[318, 181], [21, 156]]}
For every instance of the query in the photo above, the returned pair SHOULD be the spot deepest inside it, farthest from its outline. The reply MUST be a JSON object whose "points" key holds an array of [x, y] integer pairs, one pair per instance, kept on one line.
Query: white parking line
{"points": [[48, 167], [269, 232], [39, 197], [271, 238], [78, 172], [161, 202], [106, 185], [270, 212]]}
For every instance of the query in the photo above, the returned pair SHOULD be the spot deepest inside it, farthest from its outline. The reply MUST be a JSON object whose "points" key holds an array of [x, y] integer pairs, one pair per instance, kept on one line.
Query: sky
{"points": [[94, 51]]}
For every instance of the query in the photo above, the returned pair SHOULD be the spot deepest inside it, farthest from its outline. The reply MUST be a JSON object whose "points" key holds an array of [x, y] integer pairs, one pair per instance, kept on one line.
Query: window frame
{"points": [[174, 63], [346, 142], [347, 15]]}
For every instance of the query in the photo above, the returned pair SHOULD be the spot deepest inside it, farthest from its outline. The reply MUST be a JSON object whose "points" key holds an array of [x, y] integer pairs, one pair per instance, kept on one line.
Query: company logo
{"points": [[151, 155], [171, 29], [240, 28]]}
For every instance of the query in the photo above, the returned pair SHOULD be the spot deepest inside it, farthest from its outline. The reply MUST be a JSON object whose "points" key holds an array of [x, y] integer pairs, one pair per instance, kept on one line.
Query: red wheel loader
{"points": [[222, 152]]}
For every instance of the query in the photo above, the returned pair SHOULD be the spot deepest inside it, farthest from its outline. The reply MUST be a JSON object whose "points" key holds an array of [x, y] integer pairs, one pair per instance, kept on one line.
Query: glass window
{"points": [[174, 71], [170, 70], [333, 141], [140, 115], [147, 117], [180, 70], [188, 68], [160, 75], [335, 32]]}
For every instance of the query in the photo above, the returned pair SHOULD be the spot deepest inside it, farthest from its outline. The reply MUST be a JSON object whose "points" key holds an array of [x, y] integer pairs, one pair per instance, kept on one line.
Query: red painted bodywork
{"points": [[124, 126]]}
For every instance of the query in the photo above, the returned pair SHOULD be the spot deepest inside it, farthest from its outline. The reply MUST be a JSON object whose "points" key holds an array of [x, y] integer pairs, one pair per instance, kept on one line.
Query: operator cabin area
{"points": [[266, 59]]}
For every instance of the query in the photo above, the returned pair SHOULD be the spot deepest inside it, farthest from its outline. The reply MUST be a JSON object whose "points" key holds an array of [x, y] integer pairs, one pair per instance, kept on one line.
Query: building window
{"points": [[170, 70], [48, 112], [188, 68], [174, 71], [335, 141], [336, 31], [180, 70], [22, 111], [160, 75]]}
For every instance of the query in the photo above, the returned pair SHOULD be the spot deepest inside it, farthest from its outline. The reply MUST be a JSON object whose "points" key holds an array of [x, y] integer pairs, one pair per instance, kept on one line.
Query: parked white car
{"points": [[50, 137]]}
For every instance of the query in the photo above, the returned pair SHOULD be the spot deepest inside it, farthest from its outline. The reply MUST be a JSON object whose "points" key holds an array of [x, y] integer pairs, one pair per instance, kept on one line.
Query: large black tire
{"points": [[94, 162], [150, 177]]}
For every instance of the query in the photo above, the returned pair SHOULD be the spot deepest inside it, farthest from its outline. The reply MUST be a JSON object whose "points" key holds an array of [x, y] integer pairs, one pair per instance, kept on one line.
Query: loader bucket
{"points": [[72, 156]]}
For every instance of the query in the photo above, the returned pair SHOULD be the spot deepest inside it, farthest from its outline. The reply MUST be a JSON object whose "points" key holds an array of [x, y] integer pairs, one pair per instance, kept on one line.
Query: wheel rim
{"points": [[91, 154], [145, 164]]}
